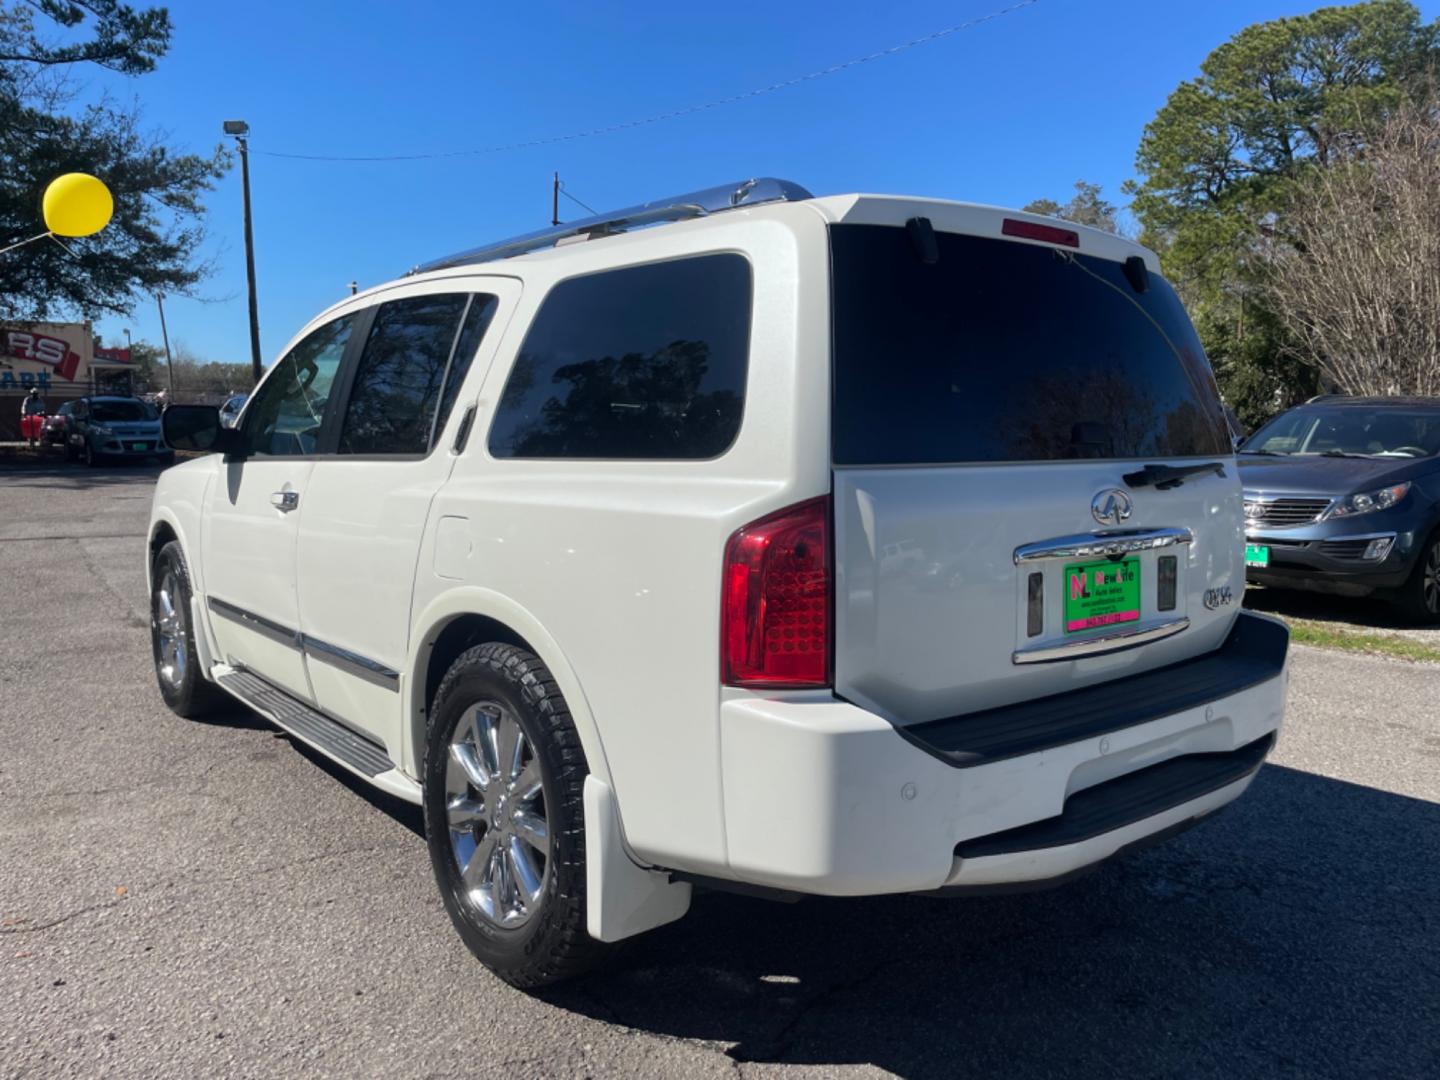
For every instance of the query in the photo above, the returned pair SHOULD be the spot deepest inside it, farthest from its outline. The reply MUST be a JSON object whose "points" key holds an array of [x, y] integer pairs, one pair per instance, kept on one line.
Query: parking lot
{"points": [[192, 899]]}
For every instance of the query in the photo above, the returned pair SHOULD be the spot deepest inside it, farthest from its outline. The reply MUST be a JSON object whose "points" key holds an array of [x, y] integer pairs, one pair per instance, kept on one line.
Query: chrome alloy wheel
{"points": [[495, 808], [1430, 580], [171, 658]]}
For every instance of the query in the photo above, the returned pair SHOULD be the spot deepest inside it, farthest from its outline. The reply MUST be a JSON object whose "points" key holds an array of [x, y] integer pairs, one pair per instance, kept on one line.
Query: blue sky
{"points": [[1015, 109]]}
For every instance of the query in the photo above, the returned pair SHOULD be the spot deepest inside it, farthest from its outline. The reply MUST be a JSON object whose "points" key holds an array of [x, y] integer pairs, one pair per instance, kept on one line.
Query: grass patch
{"points": [[1328, 636]]}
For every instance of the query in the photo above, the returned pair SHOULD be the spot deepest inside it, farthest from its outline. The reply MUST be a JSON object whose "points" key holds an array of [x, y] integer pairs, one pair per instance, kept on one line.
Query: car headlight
{"points": [[1366, 502], [100, 429]]}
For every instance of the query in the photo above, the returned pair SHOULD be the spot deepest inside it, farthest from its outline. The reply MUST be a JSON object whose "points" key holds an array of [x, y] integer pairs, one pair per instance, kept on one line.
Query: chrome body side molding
{"points": [[361, 667], [261, 625], [351, 663]]}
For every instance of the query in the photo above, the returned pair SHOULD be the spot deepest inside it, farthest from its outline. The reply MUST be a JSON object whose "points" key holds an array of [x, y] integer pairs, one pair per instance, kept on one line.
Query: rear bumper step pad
{"points": [[312, 726], [1125, 800], [1253, 653]]}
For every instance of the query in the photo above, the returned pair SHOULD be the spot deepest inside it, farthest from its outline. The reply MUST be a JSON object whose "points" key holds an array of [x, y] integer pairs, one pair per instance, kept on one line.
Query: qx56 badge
{"points": [[1217, 598]]}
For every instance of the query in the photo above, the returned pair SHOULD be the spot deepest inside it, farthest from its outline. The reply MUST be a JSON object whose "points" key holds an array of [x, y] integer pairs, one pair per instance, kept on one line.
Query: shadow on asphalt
{"points": [[1351, 610], [406, 814], [71, 476], [1294, 933]]}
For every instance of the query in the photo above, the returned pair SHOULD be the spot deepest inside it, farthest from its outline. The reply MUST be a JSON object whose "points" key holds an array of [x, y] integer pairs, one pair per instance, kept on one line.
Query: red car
{"points": [[57, 425]]}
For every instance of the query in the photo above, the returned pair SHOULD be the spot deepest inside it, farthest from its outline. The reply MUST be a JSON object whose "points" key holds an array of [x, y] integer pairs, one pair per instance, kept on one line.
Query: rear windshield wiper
{"points": [[1169, 476]]}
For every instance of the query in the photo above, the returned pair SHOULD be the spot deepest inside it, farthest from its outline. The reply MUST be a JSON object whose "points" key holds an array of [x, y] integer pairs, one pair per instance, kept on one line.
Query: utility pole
{"points": [[165, 337], [240, 130], [555, 200]]}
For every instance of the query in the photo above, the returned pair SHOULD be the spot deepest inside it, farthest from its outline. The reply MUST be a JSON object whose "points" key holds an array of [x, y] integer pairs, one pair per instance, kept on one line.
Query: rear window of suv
{"points": [[1004, 351], [643, 362]]}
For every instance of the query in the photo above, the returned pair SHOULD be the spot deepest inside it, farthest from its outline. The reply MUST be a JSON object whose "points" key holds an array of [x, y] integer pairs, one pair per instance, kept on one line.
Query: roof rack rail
{"points": [[676, 208]]}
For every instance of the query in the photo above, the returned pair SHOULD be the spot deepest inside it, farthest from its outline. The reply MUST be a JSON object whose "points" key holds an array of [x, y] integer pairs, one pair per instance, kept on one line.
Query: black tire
{"points": [[166, 460], [552, 944], [1419, 598], [185, 689]]}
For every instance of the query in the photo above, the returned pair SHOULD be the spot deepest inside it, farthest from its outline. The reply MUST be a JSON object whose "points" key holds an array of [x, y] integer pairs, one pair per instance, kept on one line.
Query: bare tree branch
{"points": [[1354, 272]]}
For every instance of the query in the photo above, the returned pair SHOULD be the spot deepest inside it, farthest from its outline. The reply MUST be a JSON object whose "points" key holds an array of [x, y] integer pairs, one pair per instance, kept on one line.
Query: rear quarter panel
{"points": [[619, 561]]}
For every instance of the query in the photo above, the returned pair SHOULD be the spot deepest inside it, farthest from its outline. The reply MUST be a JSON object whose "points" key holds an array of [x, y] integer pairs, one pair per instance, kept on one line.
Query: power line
{"points": [[833, 69], [577, 202]]}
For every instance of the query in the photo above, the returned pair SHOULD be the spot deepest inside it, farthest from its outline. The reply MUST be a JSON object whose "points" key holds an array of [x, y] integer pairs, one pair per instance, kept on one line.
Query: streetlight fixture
{"points": [[240, 131]]}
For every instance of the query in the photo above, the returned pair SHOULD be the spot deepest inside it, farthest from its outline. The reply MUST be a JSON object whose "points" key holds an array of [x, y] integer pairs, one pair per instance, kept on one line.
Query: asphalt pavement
{"points": [[210, 899]]}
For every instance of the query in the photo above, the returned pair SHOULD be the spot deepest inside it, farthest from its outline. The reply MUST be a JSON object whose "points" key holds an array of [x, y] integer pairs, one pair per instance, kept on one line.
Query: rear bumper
{"points": [[824, 797]]}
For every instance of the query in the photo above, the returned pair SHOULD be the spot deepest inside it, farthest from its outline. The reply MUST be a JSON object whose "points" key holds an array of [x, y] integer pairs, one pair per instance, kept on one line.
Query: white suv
{"points": [[745, 540]]}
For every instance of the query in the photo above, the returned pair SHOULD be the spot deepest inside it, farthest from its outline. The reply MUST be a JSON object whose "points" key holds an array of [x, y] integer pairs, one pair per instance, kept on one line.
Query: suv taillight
{"points": [[775, 615]]}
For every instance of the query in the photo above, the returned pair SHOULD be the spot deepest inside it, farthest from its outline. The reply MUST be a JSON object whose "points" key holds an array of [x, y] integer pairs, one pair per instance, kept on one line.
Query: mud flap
{"points": [[622, 899]]}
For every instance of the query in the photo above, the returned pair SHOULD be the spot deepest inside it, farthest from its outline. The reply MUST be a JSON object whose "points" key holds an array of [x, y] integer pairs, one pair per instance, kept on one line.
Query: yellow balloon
{"points": [[77, 204]]}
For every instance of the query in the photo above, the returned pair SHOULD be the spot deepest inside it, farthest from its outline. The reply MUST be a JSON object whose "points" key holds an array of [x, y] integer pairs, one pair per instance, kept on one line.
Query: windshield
{"points": [[1003, 351], [121, 411], [1350, 431]]}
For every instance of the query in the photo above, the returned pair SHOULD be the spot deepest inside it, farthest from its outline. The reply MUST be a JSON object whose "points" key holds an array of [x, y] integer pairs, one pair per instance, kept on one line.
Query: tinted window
{"points": [[644, 362], [477, 321], [1004, 351], [400, 375], [285, 417]]}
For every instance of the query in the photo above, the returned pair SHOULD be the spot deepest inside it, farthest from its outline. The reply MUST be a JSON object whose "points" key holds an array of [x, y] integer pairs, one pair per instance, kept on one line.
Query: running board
{"points": [[305, 723]]}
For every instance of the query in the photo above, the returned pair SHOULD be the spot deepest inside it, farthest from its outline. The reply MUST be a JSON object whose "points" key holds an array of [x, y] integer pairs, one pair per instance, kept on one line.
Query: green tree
{"points": [[1217, 161], [1087, 207], [151, 242]]}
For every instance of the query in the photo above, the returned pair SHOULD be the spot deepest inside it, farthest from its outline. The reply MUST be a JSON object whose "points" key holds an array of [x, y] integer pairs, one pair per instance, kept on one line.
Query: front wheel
{"points": [[172, 638], [1420, 596], [504, 816]]}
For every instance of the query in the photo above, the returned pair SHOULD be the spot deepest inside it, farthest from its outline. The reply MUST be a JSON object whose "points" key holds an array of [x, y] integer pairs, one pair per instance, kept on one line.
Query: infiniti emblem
{"points": [[1111, 506]]}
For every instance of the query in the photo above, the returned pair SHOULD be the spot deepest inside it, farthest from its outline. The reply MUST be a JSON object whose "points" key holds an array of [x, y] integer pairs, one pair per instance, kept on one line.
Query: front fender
{"points": [[179, 504]]}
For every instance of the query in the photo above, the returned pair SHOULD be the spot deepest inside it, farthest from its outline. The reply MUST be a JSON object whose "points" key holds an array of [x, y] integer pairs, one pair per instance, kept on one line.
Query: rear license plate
{"points": [[1101, 594], [1257, 555]]}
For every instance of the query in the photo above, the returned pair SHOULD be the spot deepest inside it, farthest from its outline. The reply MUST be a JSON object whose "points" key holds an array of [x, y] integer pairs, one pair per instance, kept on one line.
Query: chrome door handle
{"points": [[285, 501]]}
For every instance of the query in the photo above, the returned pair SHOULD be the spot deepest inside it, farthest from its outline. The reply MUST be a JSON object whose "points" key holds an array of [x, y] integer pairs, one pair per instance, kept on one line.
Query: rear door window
{"points": [[1005, 351], [415, 357], [641, 362]]}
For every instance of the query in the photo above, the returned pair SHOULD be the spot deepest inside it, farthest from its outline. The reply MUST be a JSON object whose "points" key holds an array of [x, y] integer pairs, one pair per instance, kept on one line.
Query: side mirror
{"points": [[198, 427]]}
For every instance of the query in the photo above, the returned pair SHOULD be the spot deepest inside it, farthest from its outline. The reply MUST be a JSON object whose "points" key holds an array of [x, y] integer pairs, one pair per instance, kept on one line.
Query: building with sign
{"points": [[60, 359]]}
